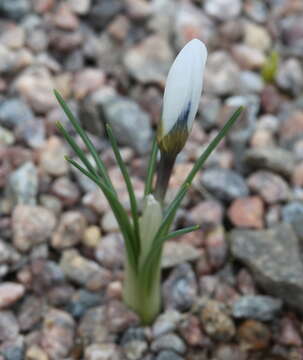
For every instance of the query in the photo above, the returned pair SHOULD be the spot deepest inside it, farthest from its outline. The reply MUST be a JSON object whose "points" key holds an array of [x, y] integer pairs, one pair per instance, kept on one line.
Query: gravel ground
{"points": [[231, 291]]}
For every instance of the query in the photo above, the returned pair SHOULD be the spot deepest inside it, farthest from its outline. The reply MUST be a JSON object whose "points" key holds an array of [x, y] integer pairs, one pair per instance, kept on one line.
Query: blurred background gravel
{"points": [[231, 291]]}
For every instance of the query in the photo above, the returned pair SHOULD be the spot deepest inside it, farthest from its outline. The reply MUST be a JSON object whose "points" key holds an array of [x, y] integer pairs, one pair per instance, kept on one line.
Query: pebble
{"points": [[22, 185], [191, 332], [290, 76], [92, 237], [6, 137], [256, 36], [87, 81], [35, 85], [289, 334], [16, 10], [169, 341], [51, 203], [291, 127], [271, 158], [229, 352], [292, 213], [31, 225], [221, 80], [248, 57], [34, 352], [225, 184], [80, 7], [150, 60], [9, 328], [81, 301], [109, 223], [166, 322], [260, 251], [135, 349], [223, 10], [168, 355], [253, 335], [216, 247], [30, 312], [52, 159], [125, 116], [180, 288], [83, 271], [175, 253], [102, 12], [70, 230], [66, 190], [216, 322], [247, 212], [15, 112], [120, 317], [110, 251], [58, 333], [102, 352], [250, 82], [207, 212], [10, 293], [271, 187], [257, 307], [13, 349]]}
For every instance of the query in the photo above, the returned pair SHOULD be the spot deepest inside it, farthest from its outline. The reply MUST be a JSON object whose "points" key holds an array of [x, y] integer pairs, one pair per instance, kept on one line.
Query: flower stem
{"points": [[163, 175]]}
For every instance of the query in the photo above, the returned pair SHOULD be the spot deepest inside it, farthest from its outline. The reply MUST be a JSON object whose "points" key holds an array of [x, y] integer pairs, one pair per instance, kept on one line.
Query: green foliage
{"points": [[270, 68], [144, 235]]}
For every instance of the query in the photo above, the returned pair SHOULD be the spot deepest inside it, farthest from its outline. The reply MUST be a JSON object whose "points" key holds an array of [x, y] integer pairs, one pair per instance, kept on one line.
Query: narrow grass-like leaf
{"points": [[211, 147], [180, 232], [151, 168], [76, 149], [130, 189], [119, 212], [90, 146]]}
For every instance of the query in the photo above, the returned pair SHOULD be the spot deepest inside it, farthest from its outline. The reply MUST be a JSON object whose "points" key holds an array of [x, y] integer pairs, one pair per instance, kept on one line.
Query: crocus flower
{"points": [[181, 97]]}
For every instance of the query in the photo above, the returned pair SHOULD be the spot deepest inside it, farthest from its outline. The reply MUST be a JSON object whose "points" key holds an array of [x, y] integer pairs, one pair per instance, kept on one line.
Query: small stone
{"points": [[289, 334], [177, 253], [93, 328], [32, 225], [80, 7], [291, 127], [256, 36], [135, 349], [253, 335], [230, 352], [14, 112], [64, 18], [216, 323], [58, 333], [290, 76], [261, 252], [223, 10], [10, 293], [272, 188], [52, 158], [256, 10], [15, 10], [30, 312], [207, 212], [180, 288], [271, 158], [216, 247], [221, 80], [250, 82], [248, 57], [81, 270], [102, 12], [247, 212], [70, 230], [110, 252], [191, 332], [168, 355], [109, 223], [126, 118], [150, 60], [34, 352], [13, 349], [102, 352], [224, 183], [209, 108], [292, 213], [81, 301], [92, 237], [257, 307], [6, 137], [87, 81], [169, 342], [66, 191], [245, 283], [166, 322], [9, 328], [96, 201], [36, 86], [120, 317], [22, 186], [51, 203]]}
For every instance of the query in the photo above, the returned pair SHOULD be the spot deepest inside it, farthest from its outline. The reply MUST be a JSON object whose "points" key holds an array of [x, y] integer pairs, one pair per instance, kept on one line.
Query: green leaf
{"points": [[91, 148], [180, 232], [130, 189], [151, 168], [76, 149], [119, 212]]}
